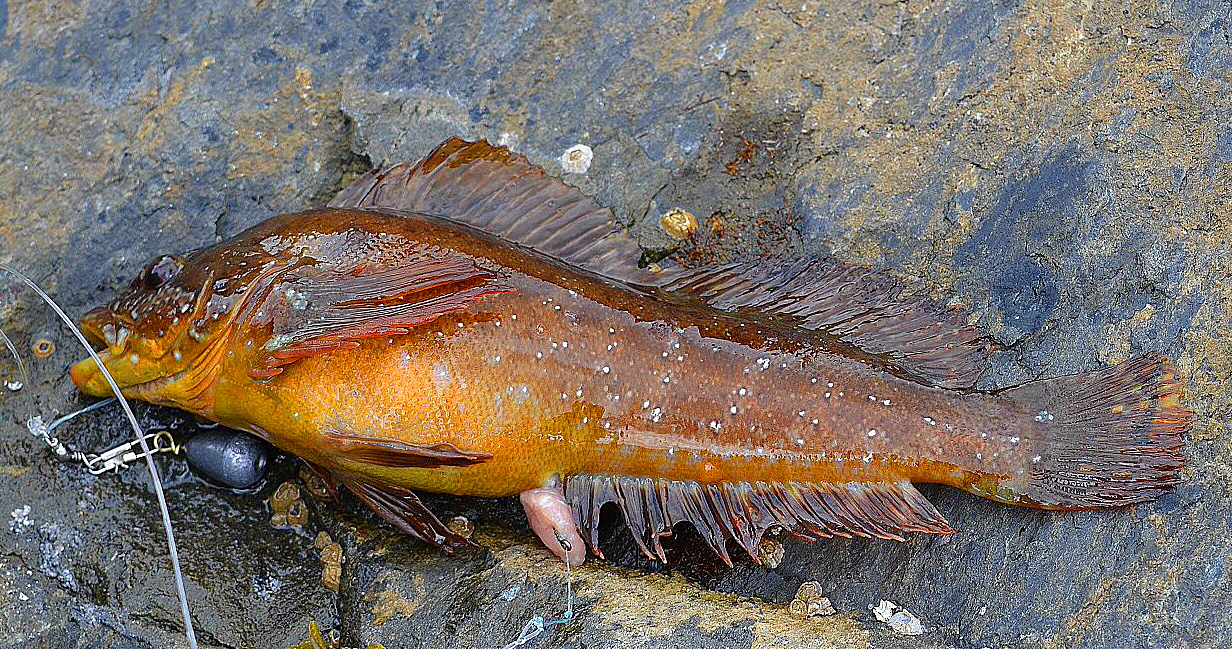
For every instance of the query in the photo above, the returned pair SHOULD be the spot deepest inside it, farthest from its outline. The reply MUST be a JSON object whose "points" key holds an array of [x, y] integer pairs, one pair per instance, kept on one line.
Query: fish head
{"points": [[158, 335]]}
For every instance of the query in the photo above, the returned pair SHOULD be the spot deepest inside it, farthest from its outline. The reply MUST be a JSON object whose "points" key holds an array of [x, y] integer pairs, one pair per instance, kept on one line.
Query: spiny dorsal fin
{"points": [[492, 189], [868, 314], [743, 511], [324, 307]]}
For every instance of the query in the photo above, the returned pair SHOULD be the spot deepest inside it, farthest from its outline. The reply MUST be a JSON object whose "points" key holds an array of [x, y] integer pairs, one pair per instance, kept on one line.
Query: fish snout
{"points": [[92, 324], [87, 377]]}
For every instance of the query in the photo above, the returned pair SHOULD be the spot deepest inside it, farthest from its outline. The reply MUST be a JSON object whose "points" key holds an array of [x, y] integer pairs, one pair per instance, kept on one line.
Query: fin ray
{"points": [[1106, 438], [856, 311], [501, 193]]}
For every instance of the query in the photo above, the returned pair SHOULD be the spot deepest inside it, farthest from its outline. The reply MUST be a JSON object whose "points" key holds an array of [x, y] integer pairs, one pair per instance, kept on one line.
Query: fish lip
{"points": [[156, 382]]}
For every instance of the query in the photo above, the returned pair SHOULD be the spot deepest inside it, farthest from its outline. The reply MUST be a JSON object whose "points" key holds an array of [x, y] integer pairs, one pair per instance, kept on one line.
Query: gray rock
{"points": [[1062, 170]]}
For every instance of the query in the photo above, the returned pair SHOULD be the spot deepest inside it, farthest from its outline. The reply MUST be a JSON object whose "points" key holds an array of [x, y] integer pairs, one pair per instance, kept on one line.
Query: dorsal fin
{"points": [[743, 511], [861, 313], [494, 190], [866, 314], [319, 308]]}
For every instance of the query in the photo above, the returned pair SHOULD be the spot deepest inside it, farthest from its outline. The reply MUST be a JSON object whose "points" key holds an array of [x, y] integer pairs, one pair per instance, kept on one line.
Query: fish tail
{"points": [[1106, 438]]}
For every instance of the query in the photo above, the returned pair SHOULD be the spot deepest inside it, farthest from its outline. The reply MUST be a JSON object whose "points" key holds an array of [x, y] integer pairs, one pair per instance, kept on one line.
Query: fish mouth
{"points": [[102, 328], [89, 379]]}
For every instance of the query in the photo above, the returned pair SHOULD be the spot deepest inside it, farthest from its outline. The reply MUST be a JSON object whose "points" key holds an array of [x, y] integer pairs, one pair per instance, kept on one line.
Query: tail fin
{"points": [[1108, 438]]}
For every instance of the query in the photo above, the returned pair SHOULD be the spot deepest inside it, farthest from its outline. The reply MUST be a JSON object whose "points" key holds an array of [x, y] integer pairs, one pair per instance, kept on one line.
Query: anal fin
{"points": [[743, 511]]}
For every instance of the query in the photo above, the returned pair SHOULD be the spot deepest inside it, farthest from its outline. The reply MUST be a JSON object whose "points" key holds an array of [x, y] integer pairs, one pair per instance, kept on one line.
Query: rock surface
{"points": [[1063, 168]]}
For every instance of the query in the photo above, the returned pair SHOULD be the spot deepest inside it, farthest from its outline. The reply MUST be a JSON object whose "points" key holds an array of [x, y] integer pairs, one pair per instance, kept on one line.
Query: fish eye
{"points": [[158, 272]]}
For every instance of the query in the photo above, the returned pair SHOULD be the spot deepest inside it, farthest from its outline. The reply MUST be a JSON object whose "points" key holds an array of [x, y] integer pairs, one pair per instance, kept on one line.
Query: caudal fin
{"points": [[1106, 438]]}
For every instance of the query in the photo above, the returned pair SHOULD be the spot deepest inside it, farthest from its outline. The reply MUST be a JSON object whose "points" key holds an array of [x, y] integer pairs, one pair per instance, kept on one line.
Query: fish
{"points": [[469, 324]]}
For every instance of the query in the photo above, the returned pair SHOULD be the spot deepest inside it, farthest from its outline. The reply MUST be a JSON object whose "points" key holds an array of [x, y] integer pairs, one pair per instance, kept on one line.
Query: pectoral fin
{"points": [[319, 308]]}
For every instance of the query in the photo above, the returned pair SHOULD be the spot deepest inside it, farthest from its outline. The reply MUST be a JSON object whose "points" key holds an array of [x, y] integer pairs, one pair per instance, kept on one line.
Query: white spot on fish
{"points": [[872, 432], [606, 369], [440, 375], [296, 299]]}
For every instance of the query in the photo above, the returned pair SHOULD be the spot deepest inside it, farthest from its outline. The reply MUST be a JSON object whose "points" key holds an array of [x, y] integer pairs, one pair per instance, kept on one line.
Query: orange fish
{"points": [[470, 325]]}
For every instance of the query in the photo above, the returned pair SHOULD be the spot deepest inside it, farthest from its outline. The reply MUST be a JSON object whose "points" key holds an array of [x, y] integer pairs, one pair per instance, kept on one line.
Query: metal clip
{"points": [[120, 456]]}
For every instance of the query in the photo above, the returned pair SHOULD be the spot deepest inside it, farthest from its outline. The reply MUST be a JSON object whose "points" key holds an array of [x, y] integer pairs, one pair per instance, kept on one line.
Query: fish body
{"points": [[567, 373], [485, 346]]}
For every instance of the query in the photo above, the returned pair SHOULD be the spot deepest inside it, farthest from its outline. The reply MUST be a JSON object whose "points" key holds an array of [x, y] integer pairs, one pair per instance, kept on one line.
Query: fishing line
{"points": [[149, 459], [21, 367], [537, 624]]}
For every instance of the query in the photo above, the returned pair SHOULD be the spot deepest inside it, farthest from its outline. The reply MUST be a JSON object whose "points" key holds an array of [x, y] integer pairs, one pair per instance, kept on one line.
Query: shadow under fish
{"points": [[470, 325]]}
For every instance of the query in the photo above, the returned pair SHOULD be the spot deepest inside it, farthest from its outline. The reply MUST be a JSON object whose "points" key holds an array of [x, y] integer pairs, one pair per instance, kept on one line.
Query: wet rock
{"points": [[1060, 168]]}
